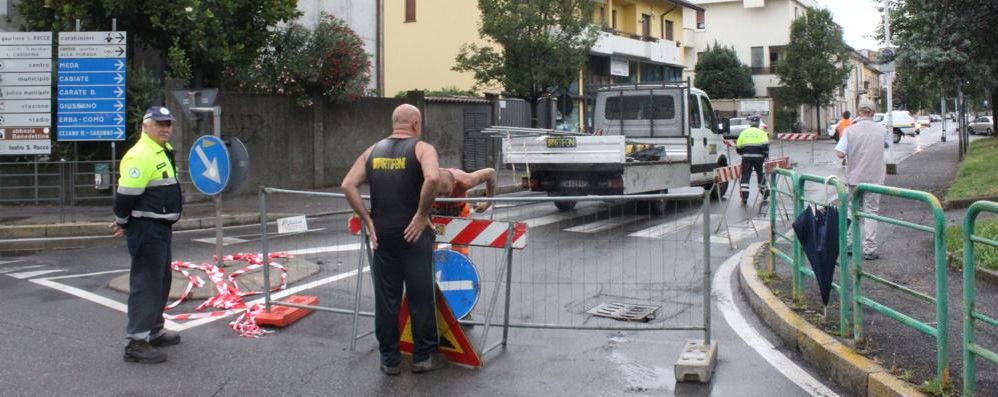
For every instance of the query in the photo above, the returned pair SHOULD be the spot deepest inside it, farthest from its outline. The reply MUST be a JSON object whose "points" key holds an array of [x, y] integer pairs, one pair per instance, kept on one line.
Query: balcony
{"points": [[650, 48], [764, 70]]}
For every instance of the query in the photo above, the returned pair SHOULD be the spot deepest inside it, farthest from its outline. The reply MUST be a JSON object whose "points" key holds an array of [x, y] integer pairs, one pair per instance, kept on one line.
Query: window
{"points": [[613, 19], [410, 10], [667, 28], [701, 20], [757, 60], [602, 16], [776, 54], [645, 25], [640, 107], [694, 111], [708, 115]]}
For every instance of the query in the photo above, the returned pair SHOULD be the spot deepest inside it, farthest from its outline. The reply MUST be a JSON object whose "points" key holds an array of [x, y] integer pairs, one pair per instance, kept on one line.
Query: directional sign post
{"points": [[25, 93], [91, 81], [209, 165], [458, 279]]}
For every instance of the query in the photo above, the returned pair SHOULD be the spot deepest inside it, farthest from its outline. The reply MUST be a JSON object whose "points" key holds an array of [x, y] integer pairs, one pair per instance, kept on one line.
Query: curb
{"points": [[837, 361], [966, 202]]}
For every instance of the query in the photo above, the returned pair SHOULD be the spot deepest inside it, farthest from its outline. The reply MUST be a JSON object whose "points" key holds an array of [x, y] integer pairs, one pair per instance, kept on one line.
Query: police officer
{"points": [[753, 146], [148, 203]]}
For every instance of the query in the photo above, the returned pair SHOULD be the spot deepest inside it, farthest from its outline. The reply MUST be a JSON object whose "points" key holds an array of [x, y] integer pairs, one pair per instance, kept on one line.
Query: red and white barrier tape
{"points": [[229, 297], [797, 136]]}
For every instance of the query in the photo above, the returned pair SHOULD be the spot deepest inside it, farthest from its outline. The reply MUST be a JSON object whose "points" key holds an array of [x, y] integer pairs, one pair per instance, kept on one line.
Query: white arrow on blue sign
{"points": [[458, 280], [209, 165]]}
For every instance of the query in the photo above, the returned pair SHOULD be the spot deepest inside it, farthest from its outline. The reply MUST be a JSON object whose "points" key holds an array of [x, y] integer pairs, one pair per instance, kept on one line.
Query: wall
{"points": [[302, 148], [420, 54]]}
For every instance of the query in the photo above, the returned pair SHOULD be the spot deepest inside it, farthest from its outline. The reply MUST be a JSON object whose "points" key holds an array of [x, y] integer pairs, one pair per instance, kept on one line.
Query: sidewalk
{"points": [[33, 222]]}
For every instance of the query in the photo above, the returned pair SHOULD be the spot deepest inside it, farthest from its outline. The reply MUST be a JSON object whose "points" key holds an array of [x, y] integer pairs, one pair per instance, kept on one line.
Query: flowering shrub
{"points": [[329, 61]]}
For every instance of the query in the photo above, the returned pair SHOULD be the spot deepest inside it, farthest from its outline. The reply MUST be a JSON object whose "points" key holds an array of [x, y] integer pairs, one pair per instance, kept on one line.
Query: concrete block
{"points": [[78, 229], [696, 362], [883, 384], [22, 231]]}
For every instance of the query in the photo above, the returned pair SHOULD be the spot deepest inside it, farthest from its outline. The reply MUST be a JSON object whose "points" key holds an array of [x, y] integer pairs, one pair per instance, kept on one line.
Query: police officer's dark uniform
{"points": [[148, 203], [395, 177], [753, 146]]}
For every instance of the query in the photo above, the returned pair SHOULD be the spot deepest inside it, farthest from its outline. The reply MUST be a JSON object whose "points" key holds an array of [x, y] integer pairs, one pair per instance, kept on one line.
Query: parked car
{"points": [[831, 130], [924, 121], [982, 125], [935, 117], [904, 124], [739, 124]]}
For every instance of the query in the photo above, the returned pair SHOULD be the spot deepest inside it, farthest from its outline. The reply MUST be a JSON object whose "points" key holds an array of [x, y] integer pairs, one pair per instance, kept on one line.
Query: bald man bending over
{"points": [[403, 175]]}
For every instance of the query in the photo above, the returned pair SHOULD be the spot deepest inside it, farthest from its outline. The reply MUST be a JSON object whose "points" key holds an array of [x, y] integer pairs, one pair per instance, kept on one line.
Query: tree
{"points": [[328, 61], [205, 36], [816, 62], [722, 75], [540, 45], [944, 43]]}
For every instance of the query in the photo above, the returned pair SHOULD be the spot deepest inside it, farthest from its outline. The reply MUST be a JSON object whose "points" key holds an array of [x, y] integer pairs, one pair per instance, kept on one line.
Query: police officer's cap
{"points": [[754, 119], [158, 113]]}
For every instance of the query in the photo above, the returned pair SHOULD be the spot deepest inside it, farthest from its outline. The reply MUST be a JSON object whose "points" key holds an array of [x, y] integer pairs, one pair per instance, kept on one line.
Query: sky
{"points": [[859, 20]]}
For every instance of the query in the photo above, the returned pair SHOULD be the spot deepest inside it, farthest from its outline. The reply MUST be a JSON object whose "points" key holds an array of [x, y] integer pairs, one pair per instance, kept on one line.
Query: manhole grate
{"points": [[624, 311]]}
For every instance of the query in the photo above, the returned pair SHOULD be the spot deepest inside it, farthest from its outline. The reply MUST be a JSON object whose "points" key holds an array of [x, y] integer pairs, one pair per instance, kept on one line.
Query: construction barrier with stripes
{"points": [[629, 263]]}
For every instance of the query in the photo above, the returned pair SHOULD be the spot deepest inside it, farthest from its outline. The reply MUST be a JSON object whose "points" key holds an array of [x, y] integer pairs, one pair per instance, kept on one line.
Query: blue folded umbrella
{"points": [[818, 232]]}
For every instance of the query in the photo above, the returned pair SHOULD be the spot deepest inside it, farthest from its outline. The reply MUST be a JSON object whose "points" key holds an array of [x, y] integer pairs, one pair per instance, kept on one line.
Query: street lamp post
{"points": [[892, 167]]}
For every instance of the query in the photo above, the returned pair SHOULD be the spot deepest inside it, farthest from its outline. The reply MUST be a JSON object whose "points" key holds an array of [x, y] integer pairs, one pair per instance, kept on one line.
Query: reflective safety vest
{"points": [[148, 186], [753, 142]]}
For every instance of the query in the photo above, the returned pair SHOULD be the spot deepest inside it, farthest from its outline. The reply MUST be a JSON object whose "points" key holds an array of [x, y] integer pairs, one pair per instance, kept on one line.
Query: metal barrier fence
{"points": [[613, 263], [941, 330], [798, 268], [971, 348]]}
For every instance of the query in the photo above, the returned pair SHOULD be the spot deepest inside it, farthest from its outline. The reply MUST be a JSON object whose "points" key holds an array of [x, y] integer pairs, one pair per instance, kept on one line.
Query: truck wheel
{"points": [[897, 136], [564, 205]]}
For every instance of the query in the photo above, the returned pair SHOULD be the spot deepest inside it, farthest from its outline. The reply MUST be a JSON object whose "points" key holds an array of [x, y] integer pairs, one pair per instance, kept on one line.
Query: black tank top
{"points": [[396, 179]]}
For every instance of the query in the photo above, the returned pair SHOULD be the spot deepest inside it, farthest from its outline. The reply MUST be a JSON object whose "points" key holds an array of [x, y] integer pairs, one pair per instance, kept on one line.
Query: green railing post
{"points": [[970, 347], [941, 329]]}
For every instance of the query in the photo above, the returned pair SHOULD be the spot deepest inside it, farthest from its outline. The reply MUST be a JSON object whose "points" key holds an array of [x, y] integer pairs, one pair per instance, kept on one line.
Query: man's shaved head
{"points": [[404, 114]]}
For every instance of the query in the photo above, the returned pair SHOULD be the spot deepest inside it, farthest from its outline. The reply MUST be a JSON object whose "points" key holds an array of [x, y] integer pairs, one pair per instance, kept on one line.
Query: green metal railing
{"points": [[970, 315], [941, 330], [797, 264]]}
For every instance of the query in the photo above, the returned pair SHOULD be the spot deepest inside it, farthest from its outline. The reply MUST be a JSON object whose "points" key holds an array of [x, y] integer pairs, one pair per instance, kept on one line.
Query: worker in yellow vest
{"points": [[753, 146]]}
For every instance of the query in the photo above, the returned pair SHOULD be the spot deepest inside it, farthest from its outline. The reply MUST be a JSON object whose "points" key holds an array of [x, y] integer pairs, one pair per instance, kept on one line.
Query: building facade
{"points": [[863, 83], [361, 16]]}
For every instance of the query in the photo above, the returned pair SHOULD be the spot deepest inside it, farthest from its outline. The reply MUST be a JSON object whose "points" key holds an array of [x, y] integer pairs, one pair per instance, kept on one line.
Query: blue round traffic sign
{"points": [[458, 280], [209, 165]]}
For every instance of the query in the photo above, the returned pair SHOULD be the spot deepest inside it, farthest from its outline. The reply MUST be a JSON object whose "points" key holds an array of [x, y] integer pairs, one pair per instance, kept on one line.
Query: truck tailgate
{"points": [[548, 149]]}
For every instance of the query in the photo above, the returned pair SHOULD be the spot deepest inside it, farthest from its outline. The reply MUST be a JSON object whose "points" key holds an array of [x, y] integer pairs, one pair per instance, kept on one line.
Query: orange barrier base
{"points": [[283, 316]]}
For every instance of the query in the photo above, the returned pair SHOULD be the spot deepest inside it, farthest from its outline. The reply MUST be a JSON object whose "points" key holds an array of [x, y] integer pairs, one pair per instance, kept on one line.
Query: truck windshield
{"points": [[640, 107]]}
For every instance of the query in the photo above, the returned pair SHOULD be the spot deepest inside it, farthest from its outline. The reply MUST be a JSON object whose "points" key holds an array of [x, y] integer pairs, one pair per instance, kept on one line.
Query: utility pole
{"points": [[942, 112], [892, 167]]}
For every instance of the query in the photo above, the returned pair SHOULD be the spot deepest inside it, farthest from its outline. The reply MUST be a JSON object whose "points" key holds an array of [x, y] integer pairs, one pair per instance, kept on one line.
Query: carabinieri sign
{"points": [[91, 86]]}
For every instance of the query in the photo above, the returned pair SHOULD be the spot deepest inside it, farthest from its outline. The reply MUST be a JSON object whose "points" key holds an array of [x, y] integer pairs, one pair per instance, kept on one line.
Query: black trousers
{"points": [[750, 164], [397, 262], [149, 243]]}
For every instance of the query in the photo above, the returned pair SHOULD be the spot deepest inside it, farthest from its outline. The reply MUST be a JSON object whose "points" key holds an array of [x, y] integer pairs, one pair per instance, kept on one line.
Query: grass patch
{"points": [[977, 176], [934, 387], [987, 256]]}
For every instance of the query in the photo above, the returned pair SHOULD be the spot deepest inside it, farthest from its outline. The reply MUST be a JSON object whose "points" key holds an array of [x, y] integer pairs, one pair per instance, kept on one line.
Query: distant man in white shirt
{"points": [[863, 144]]}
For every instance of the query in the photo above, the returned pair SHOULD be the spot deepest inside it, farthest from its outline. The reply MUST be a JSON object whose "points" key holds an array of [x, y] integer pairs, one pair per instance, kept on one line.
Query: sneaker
{"points": [[871, 256], [391, 370], [436, 361], [167, 338], [744, 201], [140, 351]]}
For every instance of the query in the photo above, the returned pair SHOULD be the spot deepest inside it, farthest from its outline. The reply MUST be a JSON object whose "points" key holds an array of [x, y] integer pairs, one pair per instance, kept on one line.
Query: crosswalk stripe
{"points": [[9, 262], [18, 268], [24, 275], [553, 218], [670, 227], [605, 224]]}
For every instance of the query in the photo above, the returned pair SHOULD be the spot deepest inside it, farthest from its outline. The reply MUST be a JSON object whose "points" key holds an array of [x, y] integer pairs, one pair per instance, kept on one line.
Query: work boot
{"points": [[167, 338], [436, 361], [391, 370], [871, 256], [140, 351]]}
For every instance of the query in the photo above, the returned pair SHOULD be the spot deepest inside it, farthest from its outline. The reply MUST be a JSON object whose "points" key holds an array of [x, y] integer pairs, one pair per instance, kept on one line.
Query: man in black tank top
{"points": [[402, 174]]}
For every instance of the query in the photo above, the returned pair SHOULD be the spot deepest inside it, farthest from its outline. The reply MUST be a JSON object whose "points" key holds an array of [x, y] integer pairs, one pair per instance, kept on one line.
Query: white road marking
{"points": [[9, 262], [554, 218], [90, 296], [19, 268], [24, 275], [671, 227], [330, 248], [723, 296], [225, 240], [606, 224], [87, 274]]}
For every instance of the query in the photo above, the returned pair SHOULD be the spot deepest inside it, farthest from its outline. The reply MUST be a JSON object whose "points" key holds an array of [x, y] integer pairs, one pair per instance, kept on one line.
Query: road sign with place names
{"points": [[91, 86], [209, 164], [25, 93]]}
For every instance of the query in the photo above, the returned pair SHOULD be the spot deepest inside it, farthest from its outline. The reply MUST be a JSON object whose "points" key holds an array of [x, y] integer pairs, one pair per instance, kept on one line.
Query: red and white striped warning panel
{"points": [[770, 165], [729, 173], [464, 231], [797, 137], [479, 232], [730, 143]]}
